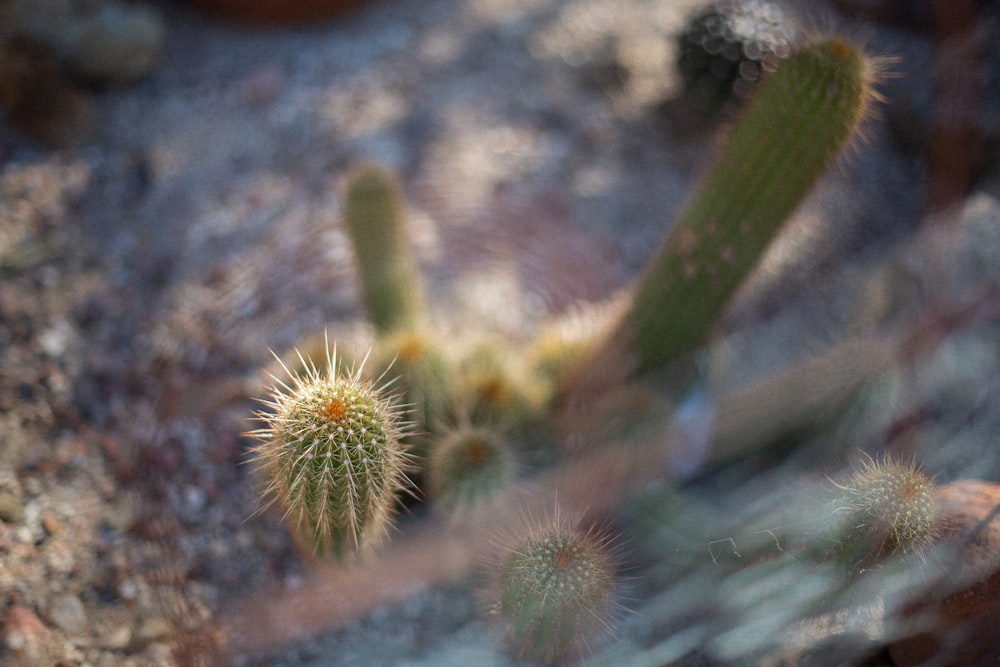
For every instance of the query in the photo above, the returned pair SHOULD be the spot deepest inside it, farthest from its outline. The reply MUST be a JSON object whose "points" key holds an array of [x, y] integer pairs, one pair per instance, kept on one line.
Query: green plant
{"points": [[424, 376], [797, 122], [492, 388], [332, 456], [886, 508], [469, 464], [554, 589], [375, 218]]}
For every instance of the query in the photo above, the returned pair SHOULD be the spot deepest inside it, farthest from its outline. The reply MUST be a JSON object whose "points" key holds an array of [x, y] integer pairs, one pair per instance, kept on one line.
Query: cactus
{"points": [[562, 342], [374, 214], [889, 508], [492, 388], [468, 465], [555, 590], [796, 124], [331, 455], [424, 375], [725, 49]]}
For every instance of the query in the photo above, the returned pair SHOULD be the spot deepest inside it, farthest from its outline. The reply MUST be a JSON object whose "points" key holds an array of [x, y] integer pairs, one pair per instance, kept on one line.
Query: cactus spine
{"points": [[555, 590], [332, 457], [797, 122], [375, 217]]}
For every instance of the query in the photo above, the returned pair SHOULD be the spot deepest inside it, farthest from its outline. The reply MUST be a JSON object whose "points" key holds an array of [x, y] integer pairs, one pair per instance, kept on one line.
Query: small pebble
{"points": [[11, 509], [153, 628], [51, 523], [118, 637], [68, 613]]}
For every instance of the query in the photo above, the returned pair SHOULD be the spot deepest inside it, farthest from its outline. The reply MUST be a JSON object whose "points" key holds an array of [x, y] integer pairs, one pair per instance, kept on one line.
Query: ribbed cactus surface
{"points": [[798, 121], [332, 457]]}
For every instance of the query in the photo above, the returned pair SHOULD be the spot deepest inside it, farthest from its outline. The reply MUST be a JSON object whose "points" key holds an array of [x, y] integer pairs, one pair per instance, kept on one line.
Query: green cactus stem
{"points": [[331, 456], [555, 590], [375, 218], [800, 118]]}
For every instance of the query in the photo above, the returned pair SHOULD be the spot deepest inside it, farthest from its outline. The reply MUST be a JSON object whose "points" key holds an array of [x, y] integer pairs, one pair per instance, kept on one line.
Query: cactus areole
{"points": [[332, 457]]}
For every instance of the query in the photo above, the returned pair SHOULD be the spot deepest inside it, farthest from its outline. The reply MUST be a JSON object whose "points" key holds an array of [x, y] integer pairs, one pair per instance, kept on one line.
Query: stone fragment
{"points": [[24, 635], [958, 612], [68, 614], [11, 509]]}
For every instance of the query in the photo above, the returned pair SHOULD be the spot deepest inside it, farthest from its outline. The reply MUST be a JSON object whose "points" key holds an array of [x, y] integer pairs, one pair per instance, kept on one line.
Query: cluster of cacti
{"points": [[331, 450]]}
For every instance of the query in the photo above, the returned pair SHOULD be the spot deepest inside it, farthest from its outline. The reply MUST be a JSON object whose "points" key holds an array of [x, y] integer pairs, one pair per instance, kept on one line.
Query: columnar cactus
{"points": [[799, 119], [375, 217], [332, 457], [555, 590], [886, 508]]}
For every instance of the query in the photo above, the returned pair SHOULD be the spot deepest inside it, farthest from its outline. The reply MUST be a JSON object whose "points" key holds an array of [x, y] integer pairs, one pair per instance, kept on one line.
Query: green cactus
{"points": [[469, 465], [885, 509], [493, 388], [375, 218], [331, 456], [555, 590], [424, 376], [558, 347], [798, 121]]}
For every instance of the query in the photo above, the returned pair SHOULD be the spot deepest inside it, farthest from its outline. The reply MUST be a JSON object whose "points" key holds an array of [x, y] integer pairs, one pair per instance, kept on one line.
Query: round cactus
{"points": [[492, 388], [724, 50], [332, 457], [469, 464], [891, 509], [555, 590]]}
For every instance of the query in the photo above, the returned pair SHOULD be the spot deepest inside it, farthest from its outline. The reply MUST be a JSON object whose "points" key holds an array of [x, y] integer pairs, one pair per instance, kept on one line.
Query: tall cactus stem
{"points": [[799, 120], [375, 216]]}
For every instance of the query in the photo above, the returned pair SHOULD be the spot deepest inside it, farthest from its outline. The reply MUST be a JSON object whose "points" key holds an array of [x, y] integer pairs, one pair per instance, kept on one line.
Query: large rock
{"points": [[960, 612]]}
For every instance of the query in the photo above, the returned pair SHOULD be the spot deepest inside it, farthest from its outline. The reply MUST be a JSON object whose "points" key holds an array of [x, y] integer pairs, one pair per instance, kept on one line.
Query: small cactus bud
{"points": [[555, 590], [424, 373], [891, 509], [468, 465], [492, 388], [331, 456]]}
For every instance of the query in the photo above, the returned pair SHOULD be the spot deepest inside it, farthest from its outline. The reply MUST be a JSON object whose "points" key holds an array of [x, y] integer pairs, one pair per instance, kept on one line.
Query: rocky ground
{"points": [[148, 267]]}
